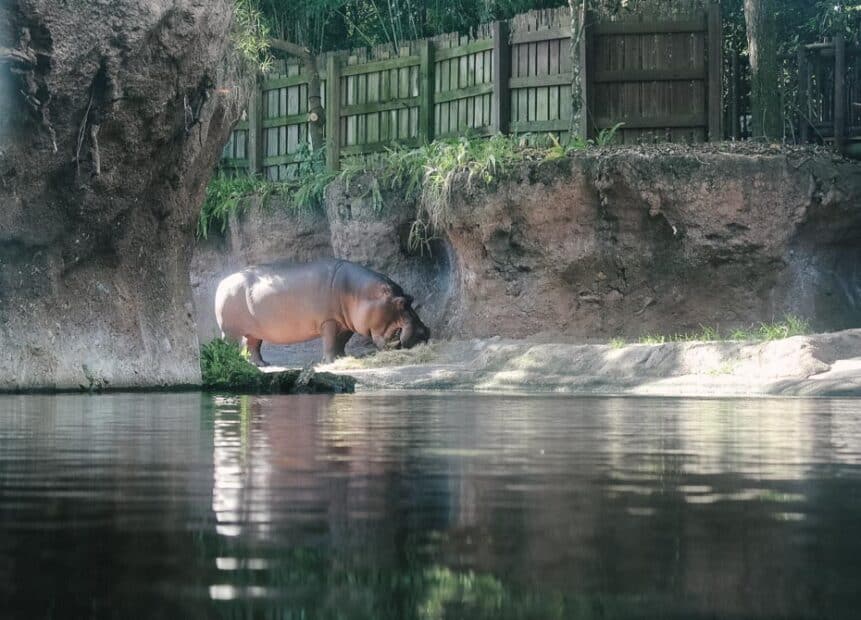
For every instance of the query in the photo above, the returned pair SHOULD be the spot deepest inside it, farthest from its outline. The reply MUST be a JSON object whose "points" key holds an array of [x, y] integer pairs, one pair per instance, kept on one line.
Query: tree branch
{"points": [[291, 48]]}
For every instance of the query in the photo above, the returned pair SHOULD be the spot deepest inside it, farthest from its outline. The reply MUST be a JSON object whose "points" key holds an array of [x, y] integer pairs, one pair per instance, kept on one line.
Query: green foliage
{"points": [[226, 194], [790, 325], [223, 365], [605, 136], [251, 34], [428, 174], [617, 343]]}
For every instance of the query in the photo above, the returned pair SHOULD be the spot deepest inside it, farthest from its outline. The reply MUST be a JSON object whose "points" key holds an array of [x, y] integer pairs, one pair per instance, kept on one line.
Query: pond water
{"points": [[428, 506]]}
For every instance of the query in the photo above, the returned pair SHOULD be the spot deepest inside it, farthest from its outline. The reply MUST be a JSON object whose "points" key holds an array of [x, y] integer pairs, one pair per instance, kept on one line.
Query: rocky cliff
{"points": [[605, 243], [112, 115]]}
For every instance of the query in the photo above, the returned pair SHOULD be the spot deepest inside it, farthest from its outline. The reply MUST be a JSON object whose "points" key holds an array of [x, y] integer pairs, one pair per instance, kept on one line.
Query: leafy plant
{"points": [[251, 34], [226, 194], [223, 365], [606, 135]]}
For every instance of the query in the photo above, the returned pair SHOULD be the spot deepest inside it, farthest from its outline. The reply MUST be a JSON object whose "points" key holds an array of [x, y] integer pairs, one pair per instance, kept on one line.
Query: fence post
{"points": [[255, 130], [735, 98], [583, 70], [426, 84], [715, 34], [501, 101], [333, 112], [803, 95], [839, 91]]}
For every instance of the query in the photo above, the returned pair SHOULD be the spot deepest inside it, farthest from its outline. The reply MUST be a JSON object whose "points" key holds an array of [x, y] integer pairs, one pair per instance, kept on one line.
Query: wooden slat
{"points": [[293, 119], [255, 131], [558, 124], [463, 50], [649, 27], [426, 81], [283, 82], [803, 95], [650, 75], [693, 120], [456, 133], [839, 91], [540, 80], [333, 113], [548, 34], [241, 125], [462, 93], [374, 106], [380, 65], [360, 149], [715, 66], [279, 160], [501, 102]]}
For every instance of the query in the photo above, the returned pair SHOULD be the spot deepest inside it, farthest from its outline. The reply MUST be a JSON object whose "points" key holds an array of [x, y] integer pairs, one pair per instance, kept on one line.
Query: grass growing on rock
{"points": [[428, 175], [223, 365], [790, 325]]}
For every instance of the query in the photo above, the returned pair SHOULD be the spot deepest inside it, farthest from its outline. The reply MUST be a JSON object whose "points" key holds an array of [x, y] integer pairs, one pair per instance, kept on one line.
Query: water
{"points": [[428, 506]]}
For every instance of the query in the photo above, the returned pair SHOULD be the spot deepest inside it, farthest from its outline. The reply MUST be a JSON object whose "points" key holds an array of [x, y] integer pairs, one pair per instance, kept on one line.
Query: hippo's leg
{"points": [[254, 345], [332, 346], [341, 341]]}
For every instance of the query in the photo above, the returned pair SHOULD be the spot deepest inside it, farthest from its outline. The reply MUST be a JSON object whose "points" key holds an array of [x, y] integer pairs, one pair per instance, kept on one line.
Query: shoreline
{"points": [[819, 365]]}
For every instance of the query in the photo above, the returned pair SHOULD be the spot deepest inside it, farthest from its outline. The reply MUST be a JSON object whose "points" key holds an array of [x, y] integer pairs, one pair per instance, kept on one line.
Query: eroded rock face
{"points": [[662, 240], [112, 115], [617, 242]]}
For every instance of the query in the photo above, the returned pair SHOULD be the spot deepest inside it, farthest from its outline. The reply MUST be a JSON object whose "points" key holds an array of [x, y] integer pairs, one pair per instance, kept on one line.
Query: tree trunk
{"points": [[112, 117], [316, 117], [760, 17]]}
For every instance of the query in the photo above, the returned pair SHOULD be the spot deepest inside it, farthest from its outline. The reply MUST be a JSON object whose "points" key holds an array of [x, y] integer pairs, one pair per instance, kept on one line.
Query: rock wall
{"points": [[112, 115], [616, 242]]}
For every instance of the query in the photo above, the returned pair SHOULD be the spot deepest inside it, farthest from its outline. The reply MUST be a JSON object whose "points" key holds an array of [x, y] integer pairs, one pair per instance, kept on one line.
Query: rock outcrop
{"points": [[616, 242], [112, 115]]}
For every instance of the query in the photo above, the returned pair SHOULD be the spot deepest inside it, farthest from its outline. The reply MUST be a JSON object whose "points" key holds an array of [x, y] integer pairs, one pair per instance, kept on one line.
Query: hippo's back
{"points": [[277, 302]]}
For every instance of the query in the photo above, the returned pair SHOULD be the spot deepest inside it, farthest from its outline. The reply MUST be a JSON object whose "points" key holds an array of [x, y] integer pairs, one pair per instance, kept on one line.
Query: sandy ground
{"points": [[817, 365]]}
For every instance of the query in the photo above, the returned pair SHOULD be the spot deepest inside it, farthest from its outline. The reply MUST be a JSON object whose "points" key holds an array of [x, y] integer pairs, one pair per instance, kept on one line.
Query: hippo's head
{"points": [[412, 330]]}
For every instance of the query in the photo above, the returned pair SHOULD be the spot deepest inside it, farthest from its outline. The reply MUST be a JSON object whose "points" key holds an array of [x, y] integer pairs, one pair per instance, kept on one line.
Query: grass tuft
{"points": [[428, 175], [223, 365], [790, 325]]}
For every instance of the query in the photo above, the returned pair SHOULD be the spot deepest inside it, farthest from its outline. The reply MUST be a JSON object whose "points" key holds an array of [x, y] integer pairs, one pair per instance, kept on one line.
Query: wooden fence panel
{"points": [[651, 76], [540, 84], [462, 85], [657, 74], [285, 122], [379, 102]]}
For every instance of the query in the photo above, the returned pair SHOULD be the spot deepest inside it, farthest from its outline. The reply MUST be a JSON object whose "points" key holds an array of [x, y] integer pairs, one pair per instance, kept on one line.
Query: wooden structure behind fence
{"points": [[829, 92], [660, 77]]}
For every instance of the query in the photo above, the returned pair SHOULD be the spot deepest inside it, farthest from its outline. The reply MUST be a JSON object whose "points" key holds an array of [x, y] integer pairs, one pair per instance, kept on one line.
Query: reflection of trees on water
{"points": [[422, 506]]}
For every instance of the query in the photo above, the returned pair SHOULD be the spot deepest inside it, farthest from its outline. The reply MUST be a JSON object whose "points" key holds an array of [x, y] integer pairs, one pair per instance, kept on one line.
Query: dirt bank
{"points": [[817, 365], [112, 116], [604, 243]]}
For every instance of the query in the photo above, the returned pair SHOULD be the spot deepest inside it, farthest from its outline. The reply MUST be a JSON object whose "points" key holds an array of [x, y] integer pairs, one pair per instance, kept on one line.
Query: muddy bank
{"points": [[617, 242], [818, 365], [110, 124]]}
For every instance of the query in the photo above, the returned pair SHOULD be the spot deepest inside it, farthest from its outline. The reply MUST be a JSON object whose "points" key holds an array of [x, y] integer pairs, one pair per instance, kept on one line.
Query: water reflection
{"points": [[429, 506]]}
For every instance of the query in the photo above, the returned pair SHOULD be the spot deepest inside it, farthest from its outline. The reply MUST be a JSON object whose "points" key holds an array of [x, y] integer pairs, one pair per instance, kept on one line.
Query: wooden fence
{"points": [[829, 93], [660, 77]]}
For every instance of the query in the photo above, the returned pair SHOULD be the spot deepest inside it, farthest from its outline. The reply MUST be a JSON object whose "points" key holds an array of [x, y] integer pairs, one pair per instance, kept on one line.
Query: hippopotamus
{"points": [[286, 303]]}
